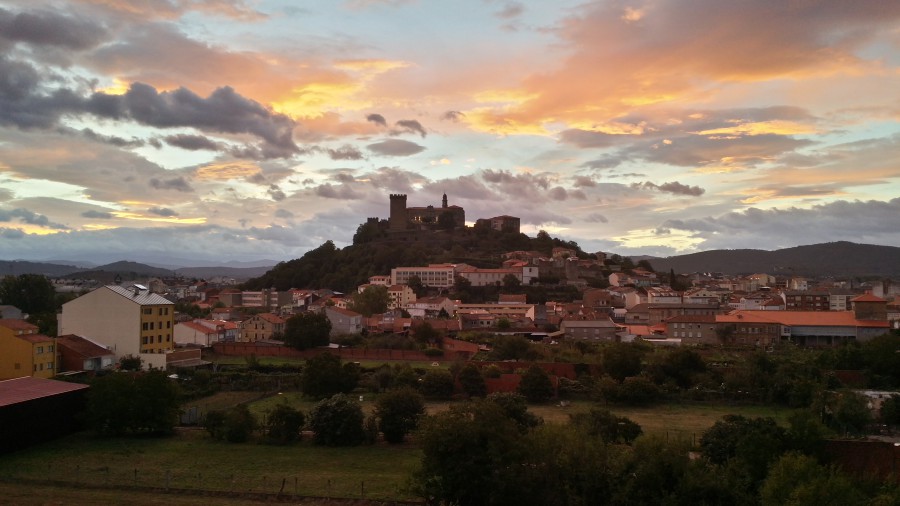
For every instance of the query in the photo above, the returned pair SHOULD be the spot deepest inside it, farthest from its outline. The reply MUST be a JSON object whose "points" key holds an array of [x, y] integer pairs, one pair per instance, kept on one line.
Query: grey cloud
{"points": [[587, 139], [584, 182], [469, 187], [257, 178], [162, 211], [6, 194], [410, 126], [872, 222], [510, 10], [11, 233], [98, 215], [342, 192], [453, 116], [395, 179], [345, 152], [673, 187], [395, 147], [178, 183], [700, 150], [284, 213], [596, 218], [558, 193], [343, 177], [45, 28], [223, 111], [377, 119], [191, 142], [29, 217], [506, 177], [606, 162], [112, 139], [275, 193]]}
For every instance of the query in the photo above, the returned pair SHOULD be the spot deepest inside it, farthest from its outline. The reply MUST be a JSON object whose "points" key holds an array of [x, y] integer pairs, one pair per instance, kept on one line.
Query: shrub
{"points": [[398, 413], [283, 424], [239, 424], [437, 384], [337, 421]]}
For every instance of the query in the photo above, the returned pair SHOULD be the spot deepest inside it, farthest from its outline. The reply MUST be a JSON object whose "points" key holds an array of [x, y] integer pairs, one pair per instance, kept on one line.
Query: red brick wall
{"points": [[865, 458]]}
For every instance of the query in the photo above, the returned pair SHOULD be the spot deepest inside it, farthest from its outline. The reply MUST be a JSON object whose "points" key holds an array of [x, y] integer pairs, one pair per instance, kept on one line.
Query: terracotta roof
{"points": [[36, 338], [198, 327], [868, 297], [802, 318], [345, 312], [13, 324], [26, 389], [701, 318], [82, 346], [271, 318]]}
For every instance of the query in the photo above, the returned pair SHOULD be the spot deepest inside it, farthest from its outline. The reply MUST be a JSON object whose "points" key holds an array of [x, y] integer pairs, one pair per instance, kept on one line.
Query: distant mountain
{"points": [[238, 273], [19, 267], [833, 259]]}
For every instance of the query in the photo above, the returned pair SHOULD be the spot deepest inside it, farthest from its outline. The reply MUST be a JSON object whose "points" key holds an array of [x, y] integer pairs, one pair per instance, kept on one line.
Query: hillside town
{"points": [[762, 311]]}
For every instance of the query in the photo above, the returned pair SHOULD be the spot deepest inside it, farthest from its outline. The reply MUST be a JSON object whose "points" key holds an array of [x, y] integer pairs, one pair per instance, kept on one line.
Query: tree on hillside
{"points": [[374, 299], [307, 330], [324, 376]]}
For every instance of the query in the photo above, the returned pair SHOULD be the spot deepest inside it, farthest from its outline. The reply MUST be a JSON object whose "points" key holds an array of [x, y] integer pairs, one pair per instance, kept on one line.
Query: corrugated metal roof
{"points": [[26, 389], [138, 296]]}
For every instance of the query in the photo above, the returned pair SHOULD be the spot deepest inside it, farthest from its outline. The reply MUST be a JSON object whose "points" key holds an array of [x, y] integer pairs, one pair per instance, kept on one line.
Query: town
{"points": [[620, 333]]}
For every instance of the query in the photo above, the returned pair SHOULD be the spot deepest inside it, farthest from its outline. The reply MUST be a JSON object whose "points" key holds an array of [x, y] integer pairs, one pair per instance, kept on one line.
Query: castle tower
{"points": [[444, 202], [398, 219]]}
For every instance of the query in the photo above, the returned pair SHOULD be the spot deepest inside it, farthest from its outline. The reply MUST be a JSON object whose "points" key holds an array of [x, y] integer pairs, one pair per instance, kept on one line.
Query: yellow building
{"points": [[25, 352], [127, 320]]}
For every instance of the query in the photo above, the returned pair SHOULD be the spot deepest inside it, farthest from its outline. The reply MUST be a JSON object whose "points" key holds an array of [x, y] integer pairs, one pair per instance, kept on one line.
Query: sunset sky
{"points": [[217, 131]]}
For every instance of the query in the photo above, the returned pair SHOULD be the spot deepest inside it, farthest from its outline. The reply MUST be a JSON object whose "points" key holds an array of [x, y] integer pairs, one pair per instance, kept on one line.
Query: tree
{"points": [[472, 381], [425, 333], [283, 424], [31, 293], [511, 282], [536, 385], [798, 480], [374, 299], [463, 448], [307, 330], [415, 282], [757, 442], [398, 413], [437, 384], [131, 363], [510, 347], [337, 421], [638, 390], [514, 407], [239, 424], [133, 403], [645, 264], [621, 360], [324, 376]]}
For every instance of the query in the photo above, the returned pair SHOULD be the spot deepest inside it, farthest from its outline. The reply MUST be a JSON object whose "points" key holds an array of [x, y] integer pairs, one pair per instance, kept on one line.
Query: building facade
{"points": [[24, 351], [127, 320]]}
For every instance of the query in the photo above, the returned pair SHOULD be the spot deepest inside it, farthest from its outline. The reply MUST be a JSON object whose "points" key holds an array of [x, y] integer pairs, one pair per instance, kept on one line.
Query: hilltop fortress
{"points": [[447, 217]]}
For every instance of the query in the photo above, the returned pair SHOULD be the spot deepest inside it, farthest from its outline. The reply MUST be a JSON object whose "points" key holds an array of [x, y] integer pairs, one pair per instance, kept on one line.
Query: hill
{"points": [[344, 269], [834, 259], [19, 267]]}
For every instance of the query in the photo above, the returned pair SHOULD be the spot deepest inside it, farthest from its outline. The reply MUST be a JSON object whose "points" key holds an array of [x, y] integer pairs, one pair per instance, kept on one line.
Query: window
{"points": [[148, 310], [49, 366], [50, 348], [168, 324], [159, 338], [168, 337], [151, 325], [144, 340], [146, 326], [40, 349], [18, 365]]}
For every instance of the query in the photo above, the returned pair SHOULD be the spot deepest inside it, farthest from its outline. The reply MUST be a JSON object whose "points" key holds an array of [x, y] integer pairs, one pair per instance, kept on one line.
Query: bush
{"points": [[398, 413], [437, 384], [239, 424], [337, 421], [283, 424], [324, 376], [472, 381], [536, 385], [638, 390]]}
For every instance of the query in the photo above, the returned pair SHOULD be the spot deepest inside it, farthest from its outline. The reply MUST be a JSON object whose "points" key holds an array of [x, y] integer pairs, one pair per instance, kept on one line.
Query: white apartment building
{"points": [[435, 275]]}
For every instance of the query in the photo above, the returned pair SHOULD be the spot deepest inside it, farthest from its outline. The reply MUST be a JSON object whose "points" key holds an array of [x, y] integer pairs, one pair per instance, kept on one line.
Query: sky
{"points": [[216, 131]]}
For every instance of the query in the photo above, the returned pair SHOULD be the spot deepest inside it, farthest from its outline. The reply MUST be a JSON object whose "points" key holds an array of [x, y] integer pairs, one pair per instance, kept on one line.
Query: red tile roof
{"points": [[36, 338], [81, 346], [14, 324], [868, 297], [26, 389]]}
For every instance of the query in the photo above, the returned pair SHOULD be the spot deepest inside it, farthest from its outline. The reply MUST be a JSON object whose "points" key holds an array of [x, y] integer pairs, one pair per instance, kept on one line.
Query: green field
{"points": [[192, 461]]}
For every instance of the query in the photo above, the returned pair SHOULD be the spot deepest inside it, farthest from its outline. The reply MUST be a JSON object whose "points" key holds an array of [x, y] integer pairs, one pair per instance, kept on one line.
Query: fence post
{"points": [[362, 489], [168, 479], [135, 476], [295, 485]]}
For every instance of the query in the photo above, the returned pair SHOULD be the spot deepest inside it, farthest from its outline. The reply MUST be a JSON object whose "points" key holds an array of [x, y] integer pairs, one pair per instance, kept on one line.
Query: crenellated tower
{"points": [[398, 219]]}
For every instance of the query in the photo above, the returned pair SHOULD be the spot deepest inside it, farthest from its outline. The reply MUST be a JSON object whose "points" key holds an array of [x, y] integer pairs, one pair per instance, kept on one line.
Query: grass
{"points": [[191, 460], [194, 462]]}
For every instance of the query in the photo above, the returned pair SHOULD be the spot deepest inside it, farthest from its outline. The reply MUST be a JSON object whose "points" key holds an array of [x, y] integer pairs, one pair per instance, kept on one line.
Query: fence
{"points": [[247, 349], [289, 488]]}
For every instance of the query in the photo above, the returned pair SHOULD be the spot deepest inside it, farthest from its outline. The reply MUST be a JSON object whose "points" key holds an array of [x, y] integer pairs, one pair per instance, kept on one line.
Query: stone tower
{"points": [[444, 202], [398, 218]]}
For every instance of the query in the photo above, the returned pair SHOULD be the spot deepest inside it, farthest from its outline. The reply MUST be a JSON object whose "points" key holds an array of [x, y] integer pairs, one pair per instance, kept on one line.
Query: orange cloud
{"points": [[224, 171]]}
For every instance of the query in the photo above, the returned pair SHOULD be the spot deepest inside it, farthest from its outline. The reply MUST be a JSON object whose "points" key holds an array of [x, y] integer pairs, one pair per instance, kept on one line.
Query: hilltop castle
{"points": [[403, 218]]}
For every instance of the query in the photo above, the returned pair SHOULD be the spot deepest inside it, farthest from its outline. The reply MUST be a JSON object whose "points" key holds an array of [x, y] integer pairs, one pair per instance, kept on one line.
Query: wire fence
{"points": [[223, 484]]}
